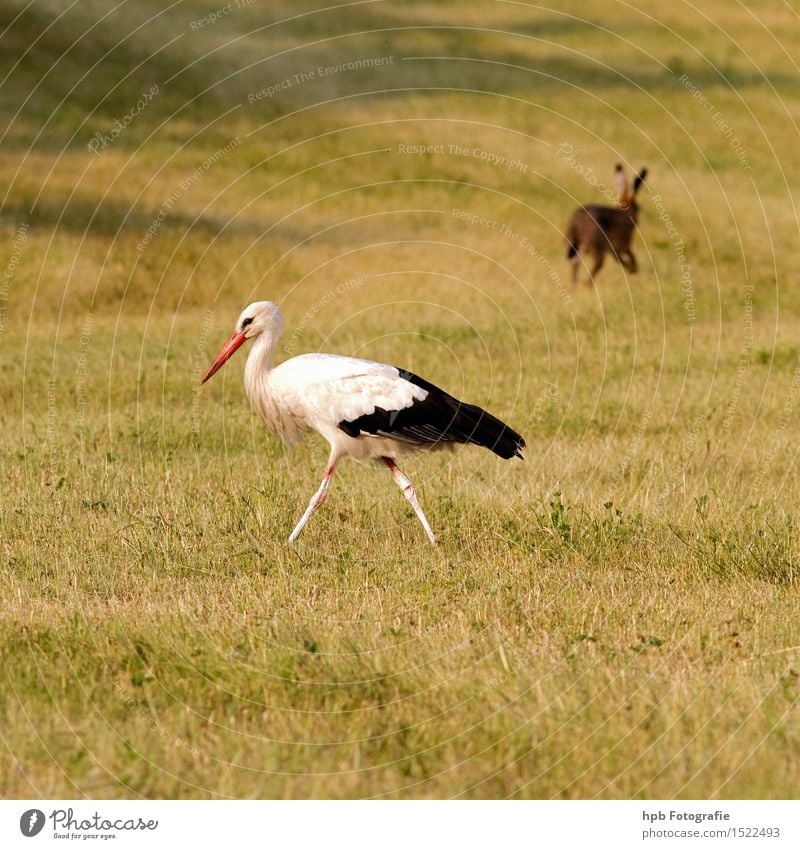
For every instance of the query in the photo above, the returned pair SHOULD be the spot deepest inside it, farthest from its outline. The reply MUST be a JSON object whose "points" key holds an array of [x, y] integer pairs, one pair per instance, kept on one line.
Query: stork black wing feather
{"points": [[438, 418]]}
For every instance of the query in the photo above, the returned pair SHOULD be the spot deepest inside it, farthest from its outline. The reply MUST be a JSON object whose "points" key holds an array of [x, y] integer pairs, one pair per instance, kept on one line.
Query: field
{"points": [[615, 617]]}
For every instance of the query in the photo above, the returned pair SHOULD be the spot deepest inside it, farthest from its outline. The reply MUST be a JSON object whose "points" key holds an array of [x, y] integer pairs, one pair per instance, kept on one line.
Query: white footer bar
{"points": [[401, 825]]}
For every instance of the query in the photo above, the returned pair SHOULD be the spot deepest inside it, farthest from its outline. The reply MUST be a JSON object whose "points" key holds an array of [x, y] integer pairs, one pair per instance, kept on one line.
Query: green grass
{"points": [[616, 617]]}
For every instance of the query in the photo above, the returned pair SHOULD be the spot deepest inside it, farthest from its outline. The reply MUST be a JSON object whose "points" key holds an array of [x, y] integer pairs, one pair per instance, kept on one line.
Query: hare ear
{"points": [[621, 182], [637, 183]]}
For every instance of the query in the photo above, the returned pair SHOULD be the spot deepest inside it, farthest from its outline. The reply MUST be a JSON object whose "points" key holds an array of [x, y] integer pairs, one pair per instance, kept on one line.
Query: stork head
{"points": [[260, 317]]}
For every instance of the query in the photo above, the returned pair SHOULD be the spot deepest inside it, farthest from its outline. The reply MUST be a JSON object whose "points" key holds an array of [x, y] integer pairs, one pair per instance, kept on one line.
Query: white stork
{"points": [[365, 410]]}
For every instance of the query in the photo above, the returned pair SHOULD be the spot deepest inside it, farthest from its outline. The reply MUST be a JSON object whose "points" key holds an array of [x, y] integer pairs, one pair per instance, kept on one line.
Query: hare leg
{"points": [[575, 262], [628, 262], [598, 264]]}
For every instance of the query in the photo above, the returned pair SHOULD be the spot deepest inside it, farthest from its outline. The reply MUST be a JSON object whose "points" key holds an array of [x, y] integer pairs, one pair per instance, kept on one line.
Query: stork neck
{"points": [[259, 360], [257, 368]]}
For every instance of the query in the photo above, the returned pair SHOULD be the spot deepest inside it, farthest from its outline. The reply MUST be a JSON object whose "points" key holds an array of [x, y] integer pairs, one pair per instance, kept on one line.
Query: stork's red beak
{"points": [[226, 352]]}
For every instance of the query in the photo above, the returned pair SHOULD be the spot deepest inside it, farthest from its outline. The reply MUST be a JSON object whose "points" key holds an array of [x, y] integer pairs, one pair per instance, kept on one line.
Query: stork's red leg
{"points": [[317, 499], [407, 488]]}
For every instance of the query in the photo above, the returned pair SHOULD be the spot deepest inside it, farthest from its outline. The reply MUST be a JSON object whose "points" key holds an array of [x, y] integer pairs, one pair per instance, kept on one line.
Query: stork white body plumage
{"points": [[365, 410], [318, 391]]}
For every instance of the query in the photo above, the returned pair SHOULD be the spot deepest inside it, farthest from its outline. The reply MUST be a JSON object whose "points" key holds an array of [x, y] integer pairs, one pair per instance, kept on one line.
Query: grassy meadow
{"points": [[615, 617]]}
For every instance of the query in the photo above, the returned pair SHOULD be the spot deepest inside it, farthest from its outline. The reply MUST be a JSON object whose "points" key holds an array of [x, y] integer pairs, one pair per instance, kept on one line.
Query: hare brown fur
{"points": [[594, 230]]}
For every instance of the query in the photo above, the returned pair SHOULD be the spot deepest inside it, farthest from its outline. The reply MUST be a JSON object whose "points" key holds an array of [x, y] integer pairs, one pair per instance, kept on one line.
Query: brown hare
{"points": [[593, 230]]}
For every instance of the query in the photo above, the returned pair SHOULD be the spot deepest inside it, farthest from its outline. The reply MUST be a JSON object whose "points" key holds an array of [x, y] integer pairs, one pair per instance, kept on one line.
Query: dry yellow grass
{"points": [[615, 617]]}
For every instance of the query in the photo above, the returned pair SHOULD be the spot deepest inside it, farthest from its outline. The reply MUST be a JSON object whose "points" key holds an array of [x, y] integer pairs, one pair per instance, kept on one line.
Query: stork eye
{"points": [[246, 322]]}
